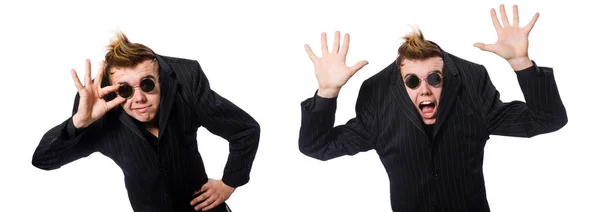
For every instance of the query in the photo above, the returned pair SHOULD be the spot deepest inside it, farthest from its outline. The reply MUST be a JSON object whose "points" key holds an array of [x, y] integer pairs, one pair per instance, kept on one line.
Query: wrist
{"points": [[78, 122], [328, 92], [227, 186], [520, 63]]}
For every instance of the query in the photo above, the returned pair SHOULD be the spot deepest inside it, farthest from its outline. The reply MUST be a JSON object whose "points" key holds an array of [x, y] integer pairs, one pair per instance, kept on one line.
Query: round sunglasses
{"points": [[126, 91], [434, 79]]}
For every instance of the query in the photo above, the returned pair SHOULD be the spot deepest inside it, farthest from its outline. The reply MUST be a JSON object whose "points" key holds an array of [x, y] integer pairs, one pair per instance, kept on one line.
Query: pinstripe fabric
{"points": [[443, 173], [165, 178]]}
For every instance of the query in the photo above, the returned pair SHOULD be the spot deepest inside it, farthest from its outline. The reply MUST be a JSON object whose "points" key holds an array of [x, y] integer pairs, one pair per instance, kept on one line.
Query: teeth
{"points": [[426, 103]]}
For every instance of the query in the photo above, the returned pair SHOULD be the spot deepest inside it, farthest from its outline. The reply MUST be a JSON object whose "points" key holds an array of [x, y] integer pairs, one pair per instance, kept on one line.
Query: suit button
{"points": [[435, 174]]}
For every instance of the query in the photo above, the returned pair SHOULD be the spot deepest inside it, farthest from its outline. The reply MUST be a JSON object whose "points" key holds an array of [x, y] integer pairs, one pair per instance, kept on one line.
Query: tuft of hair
{"points": [[123, 53], [415, 47]]}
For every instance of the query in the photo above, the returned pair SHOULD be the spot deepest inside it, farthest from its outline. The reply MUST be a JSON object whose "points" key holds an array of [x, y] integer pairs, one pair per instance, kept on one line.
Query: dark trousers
{"points": [[219, 208]]}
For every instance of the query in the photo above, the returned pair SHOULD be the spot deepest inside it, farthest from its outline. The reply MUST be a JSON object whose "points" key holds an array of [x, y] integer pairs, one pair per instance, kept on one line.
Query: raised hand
{"points": [[214, 192], [331, 69], [92, 106], [512, 43]]}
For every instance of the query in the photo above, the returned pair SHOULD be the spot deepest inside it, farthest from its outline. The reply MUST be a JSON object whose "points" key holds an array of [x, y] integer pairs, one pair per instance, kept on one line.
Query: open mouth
{"points": [[427, 109]]}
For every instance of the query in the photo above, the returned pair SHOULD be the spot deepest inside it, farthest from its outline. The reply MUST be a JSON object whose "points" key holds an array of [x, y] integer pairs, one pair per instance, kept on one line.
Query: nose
{"points": [[139, 96], [424, 89]]}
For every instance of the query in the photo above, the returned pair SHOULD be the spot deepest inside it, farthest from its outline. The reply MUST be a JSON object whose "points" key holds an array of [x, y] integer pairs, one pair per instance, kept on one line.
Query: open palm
{"points": [[331, 69], [92, 106], [512, 43]]}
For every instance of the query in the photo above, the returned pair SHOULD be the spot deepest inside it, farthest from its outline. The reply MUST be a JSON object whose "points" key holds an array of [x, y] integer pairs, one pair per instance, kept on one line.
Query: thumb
{"points": [[484, 47], [113, 103], [358, 66]]}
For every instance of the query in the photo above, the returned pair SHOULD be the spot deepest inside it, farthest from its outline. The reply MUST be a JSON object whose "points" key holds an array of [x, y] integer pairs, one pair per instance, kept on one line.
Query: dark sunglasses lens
{"points": [[412, 81], [147, 85], [125, 91], [434, 79]]}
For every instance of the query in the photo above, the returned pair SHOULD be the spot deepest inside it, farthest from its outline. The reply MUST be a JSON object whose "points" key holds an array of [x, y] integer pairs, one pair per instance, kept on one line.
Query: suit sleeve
{"points": [[320, 139], [64, 144], [542, 112], [223, 118]]}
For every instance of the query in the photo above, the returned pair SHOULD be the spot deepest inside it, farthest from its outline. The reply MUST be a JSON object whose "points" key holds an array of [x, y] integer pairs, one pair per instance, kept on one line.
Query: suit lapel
{"points": [[168, 87], [452, 85], [403, 100]]}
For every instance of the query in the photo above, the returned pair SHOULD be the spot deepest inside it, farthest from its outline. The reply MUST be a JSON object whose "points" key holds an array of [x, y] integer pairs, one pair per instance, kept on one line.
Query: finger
{"points": [[195, 201], [336, 43], [213, 205], [78, 84], [532, 22], [106, 90], [484, 47], [310, 53], [324, 48], [207, 202], [495, 21], [205, 187], [505, 22], [199, 199], [345, 46], [515, 15], [113, 103], [88, 73], [358, 66], [98, 79]]}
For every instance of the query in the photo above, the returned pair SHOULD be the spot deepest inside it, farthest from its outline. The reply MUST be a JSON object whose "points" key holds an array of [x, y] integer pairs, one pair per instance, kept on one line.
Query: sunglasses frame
{"points": [[424, 79], [133, 88]]}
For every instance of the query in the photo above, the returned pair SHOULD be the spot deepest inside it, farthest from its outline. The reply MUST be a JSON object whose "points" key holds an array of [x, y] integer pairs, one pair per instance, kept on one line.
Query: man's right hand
{"points": [[331, 69], [91, 103]]}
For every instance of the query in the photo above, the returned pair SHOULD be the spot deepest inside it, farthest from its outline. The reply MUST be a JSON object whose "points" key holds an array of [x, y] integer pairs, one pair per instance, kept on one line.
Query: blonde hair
{"points": [[415, 47], [122, 53]]}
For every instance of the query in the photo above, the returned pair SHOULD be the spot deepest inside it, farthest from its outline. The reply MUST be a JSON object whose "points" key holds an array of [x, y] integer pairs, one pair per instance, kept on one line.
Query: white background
{"points": [[252, 52]]}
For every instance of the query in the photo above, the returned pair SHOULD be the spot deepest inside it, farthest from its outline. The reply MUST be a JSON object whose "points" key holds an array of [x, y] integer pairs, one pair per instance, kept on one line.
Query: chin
{"points": [[429, 121], [144, 118], [148, 119]]}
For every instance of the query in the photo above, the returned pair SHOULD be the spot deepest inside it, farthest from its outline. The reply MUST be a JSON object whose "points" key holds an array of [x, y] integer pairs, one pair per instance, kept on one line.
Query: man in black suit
{"points": [[429, 114], [143, 111]]}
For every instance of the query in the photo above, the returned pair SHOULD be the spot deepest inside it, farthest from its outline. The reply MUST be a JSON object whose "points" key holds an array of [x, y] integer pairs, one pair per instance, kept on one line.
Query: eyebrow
{"points": [[147, 76], [434, 71]]}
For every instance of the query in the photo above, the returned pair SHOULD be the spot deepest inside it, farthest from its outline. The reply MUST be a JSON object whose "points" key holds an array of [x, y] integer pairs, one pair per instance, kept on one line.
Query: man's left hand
{"points": [[214, 192], [512, 43]]}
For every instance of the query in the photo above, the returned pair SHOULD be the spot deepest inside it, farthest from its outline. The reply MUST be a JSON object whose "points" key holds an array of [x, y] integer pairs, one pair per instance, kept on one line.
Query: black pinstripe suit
{"points": [[162, 178], [443, 173]]}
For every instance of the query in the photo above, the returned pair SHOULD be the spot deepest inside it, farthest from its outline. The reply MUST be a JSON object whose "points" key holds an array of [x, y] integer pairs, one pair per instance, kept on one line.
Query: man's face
{"points": [[425, 97], [142, 105]]}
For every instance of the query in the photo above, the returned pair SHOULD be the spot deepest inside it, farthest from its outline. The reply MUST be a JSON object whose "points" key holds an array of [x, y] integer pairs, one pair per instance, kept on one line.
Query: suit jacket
{"points": [[443, 173], [163, 176]]}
